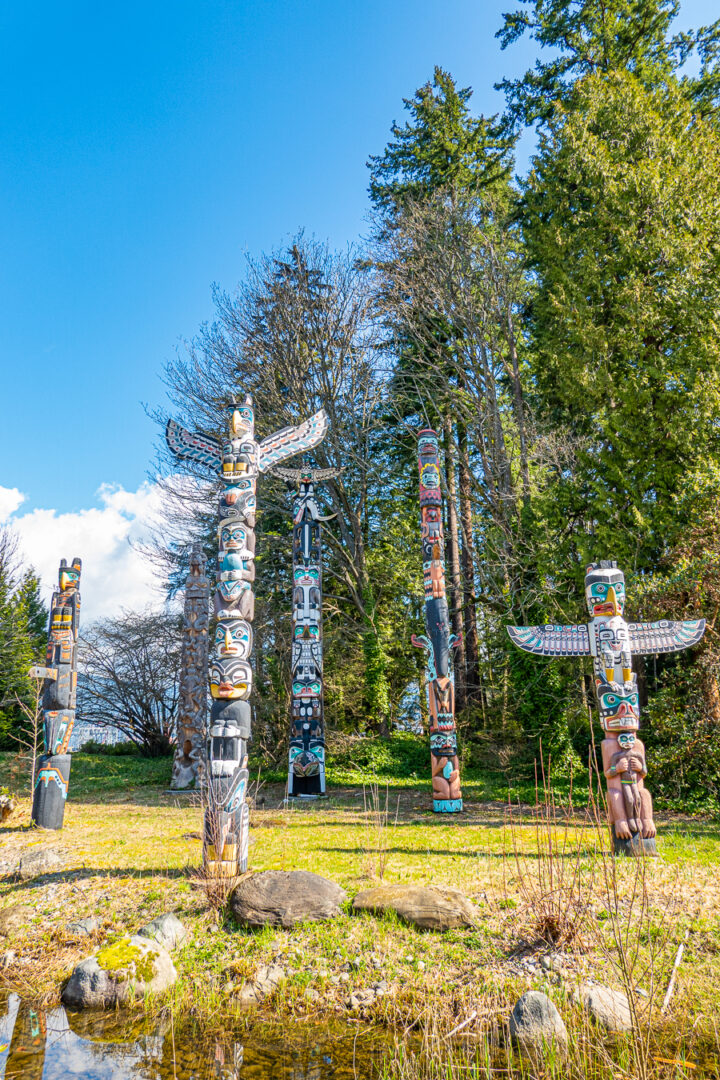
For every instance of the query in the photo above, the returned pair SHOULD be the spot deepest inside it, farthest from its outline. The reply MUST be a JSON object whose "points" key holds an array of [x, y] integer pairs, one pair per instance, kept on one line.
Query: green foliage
{"points": [[441, 146], [622, 227], [23, 637], [120, 749], [399, 756], [683, 742], [589, 37]]}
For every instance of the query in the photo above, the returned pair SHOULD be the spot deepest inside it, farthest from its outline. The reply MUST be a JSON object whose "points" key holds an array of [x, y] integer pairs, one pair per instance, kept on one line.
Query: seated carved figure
{"points": [[630, 806]]}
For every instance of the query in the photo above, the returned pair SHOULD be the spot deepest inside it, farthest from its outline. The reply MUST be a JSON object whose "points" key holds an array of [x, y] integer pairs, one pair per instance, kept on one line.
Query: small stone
{"points": [[7, 805], [267, 979], [83, 927], [7, 958], [344, 977], [546, 963], [42, 861], [311, 995], [609, 1007], [421, 965], [360, 999], [166, 929], [535, 1023], [247, 994], [15, 917], [642, 993]]}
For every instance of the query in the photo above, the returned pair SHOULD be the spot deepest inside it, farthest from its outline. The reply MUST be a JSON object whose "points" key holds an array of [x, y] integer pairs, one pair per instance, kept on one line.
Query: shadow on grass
{"points": [[477, 853], [66, 876]]}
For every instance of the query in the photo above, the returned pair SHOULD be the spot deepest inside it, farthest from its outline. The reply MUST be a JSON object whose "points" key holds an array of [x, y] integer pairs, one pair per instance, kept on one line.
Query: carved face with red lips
{"points": [[230, 679], [619, 706]]}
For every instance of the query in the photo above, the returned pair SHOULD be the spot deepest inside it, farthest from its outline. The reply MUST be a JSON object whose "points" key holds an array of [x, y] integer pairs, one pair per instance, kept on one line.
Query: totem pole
{"points": [[306, 768], [611, 642], [239, 461], [447, 797], [28, 1043], [192, 707], [58, 698]]}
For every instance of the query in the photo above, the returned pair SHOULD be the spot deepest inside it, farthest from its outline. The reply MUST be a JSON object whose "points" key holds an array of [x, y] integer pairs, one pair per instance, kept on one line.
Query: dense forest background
{"points": [[560, 331]]}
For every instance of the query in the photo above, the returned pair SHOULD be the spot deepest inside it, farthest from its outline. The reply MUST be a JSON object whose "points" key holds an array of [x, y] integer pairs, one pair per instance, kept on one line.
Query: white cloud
{"points": [[115, 574], [10, 499]]}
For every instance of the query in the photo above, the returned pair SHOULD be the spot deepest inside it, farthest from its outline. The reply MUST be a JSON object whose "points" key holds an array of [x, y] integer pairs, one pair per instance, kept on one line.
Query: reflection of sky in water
{"points": [[66, 1054], [313, 1053]]}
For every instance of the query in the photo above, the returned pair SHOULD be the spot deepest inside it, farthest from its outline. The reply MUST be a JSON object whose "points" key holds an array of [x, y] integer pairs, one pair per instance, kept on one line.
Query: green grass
{"points": [[131, 848]]}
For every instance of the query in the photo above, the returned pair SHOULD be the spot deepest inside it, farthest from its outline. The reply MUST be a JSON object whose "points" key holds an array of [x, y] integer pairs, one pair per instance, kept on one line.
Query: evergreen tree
{"points": [[622, 227], [442, 146], [592, 37]]}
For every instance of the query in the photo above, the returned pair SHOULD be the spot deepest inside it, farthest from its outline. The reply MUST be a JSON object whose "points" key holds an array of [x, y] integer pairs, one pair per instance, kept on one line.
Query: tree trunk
{"points": [[472, 650], [453, 547]]}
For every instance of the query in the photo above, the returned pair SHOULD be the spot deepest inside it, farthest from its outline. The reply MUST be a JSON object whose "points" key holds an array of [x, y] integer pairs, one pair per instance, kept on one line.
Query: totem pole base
{"points": [[447, 806], [306, 787], [636, 847], [51, 789]]}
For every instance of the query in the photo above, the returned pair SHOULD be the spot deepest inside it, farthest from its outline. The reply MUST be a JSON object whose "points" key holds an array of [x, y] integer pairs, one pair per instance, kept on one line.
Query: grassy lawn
{"points": [[131, 850]]}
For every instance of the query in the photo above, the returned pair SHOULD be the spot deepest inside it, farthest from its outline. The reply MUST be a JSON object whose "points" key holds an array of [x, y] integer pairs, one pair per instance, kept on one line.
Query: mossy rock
{"points": [[118, 973]]}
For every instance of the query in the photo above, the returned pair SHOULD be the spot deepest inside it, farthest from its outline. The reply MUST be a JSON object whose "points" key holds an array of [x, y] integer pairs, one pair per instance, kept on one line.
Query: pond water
{"points": [[100, 1046]]}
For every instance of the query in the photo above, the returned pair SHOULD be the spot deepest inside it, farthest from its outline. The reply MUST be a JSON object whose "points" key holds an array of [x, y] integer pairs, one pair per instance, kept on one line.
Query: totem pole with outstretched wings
{"points": [[612, 642], [238, 460]]}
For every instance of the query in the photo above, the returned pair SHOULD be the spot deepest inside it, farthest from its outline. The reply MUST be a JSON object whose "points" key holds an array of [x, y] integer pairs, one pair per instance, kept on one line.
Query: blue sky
{"points": [[146, 147]]}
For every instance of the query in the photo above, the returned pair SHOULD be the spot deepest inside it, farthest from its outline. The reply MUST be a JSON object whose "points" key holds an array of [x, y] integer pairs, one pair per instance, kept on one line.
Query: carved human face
{"points": [[604, 591], [309, 689], [230, 679], [233, 637], [306, 575], [233, 536], [309, 632], [619, 706]]}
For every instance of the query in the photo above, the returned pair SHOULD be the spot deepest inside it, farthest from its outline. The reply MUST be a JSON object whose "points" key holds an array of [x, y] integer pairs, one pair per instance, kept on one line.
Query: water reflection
{"points": [[37, 1045]]}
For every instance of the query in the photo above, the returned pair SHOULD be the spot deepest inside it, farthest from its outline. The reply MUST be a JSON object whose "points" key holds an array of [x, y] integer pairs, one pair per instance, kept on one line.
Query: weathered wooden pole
{"points": [[58, 699], [192, 706], [445, 767]]}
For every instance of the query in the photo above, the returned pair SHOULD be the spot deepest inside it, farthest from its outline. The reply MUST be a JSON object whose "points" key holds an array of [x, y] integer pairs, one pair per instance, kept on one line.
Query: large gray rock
{"points": [[166, 929], [41, 861], [15, 917], [126, 970], [430, 907], [535, 1023], [283, 898], [609, 1007]]}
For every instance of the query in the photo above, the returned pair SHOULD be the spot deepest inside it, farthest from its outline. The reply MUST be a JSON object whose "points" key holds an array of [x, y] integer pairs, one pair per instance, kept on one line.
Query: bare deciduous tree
{"points": [[129, 677]]}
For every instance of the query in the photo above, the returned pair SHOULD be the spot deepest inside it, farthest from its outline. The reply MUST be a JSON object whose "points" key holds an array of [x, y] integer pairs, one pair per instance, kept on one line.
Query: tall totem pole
{"points": [[58, 698], [306, 768], [239, 461], [192, 707], [611, 642], [447, 796]]}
